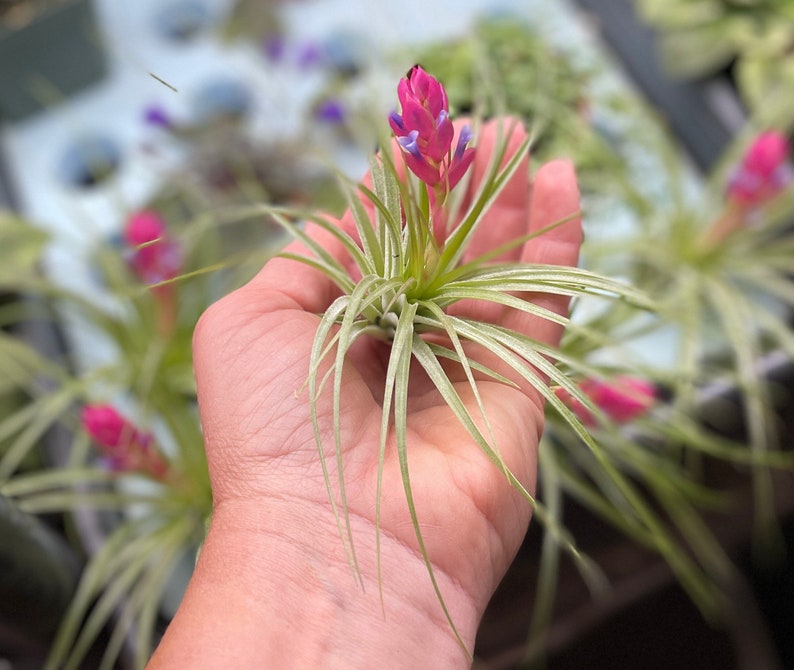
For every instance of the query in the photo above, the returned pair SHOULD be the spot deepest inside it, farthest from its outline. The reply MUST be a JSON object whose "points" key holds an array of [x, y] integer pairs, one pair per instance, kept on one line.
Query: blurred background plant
{"points": [[687, 404], [134, 491], [751, 40], [126, 471]]}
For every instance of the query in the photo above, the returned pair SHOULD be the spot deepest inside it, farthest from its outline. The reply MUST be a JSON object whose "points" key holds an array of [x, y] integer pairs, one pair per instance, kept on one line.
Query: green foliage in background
{"points": [[755, 37], [505, 66]]}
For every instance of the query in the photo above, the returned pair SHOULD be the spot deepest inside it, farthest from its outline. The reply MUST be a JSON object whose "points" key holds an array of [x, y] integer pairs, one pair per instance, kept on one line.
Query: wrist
{"points": [[273, 584]]}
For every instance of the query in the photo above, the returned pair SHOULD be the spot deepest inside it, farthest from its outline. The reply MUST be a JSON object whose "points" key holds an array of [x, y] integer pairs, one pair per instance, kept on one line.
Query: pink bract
{"points": [[155, 257], [123, 446], [622, 399], [425, 132], [763, 171]]}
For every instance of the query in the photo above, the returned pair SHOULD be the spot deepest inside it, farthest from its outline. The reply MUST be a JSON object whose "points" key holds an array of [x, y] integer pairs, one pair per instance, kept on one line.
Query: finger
{"points": [[507, 217], [555, 197]]}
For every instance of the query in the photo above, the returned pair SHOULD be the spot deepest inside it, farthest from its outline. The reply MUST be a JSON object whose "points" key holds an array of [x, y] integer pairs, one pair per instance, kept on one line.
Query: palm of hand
{"points": [[251, 357]]}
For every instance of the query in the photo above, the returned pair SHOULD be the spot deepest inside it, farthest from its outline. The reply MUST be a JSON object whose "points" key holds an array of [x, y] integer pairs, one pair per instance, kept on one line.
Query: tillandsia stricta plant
{"points": [[719, 269], [446, 280], [130, 464]]}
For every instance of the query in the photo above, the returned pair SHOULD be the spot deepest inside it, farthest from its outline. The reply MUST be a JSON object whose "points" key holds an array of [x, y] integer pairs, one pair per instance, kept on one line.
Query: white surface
{"points": [[113, 108]]}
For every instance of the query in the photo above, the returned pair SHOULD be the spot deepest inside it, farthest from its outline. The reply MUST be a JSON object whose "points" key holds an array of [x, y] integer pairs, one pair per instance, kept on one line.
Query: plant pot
{"points": [[49, 59]]}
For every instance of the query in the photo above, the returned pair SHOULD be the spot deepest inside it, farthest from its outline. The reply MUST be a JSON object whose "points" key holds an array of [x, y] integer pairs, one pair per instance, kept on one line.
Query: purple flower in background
{"points": [[155, 115], [274, 48], [309, 54], [331, 111], [278, 50]]}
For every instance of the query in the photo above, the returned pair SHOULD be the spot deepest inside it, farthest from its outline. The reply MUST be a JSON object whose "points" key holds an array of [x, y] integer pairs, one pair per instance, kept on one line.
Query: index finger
{"points": [[506, 218]]}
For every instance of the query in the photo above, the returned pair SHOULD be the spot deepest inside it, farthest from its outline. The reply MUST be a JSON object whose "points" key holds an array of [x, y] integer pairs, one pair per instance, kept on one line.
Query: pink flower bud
{"points": [[622, 399], [106, 426], [154, 257], [425, 133], [763, 171], [123, 446]]}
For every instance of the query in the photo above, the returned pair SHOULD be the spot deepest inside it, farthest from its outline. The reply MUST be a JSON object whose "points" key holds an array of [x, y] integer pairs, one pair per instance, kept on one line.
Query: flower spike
{"points": [[425, 132]]}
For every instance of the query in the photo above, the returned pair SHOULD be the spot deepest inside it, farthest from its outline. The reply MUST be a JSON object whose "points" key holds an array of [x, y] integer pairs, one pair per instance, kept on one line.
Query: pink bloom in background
{"points": [[155, 256], [763, 171], [425, 133], [123, 446], [622, 399]]}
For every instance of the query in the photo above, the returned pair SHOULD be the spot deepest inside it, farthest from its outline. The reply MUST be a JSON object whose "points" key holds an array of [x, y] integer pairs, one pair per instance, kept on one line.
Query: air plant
{"points": [[723, 294], [735, 274], [722, 289], [129, 441], [410, 273], [618, 454]]}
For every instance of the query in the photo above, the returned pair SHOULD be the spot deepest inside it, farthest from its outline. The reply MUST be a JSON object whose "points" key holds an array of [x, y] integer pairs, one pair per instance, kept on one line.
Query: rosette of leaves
{"points": [[411, 230], [720, 269], [727, 286], [753, 37], [717, 264]]}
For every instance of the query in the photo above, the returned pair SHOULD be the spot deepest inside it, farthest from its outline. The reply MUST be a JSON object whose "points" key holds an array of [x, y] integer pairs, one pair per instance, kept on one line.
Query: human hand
{"points": [[274, 526]]}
